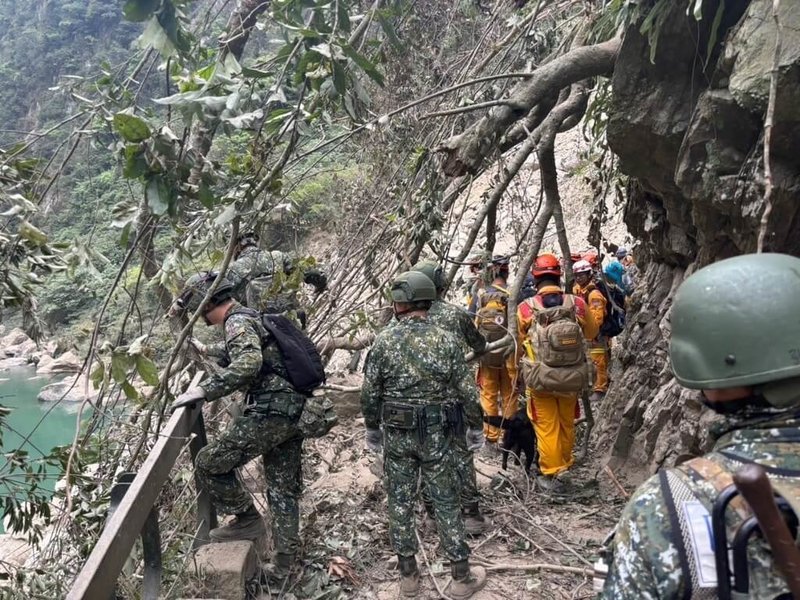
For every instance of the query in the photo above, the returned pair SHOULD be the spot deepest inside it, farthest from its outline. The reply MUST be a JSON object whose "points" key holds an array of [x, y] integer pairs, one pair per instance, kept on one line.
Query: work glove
{"points": [[198, 345], [475, 439], [375, 440], [190, 397]]}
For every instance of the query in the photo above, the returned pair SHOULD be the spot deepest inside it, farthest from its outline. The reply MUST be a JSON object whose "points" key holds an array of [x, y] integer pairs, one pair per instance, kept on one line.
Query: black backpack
{"points": [[303, 363], [614, 322]]}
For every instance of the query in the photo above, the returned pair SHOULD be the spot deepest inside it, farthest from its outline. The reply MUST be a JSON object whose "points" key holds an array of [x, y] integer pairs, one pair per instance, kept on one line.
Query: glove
{"points": [[475, 439], [199, 346], [375, 440], [188, 398]]}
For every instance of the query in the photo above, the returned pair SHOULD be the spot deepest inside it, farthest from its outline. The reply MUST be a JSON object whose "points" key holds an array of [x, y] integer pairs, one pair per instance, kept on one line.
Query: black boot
{"points": [[474, 522], [466, 581], [278, 570], [409, 576], [245, 526]]}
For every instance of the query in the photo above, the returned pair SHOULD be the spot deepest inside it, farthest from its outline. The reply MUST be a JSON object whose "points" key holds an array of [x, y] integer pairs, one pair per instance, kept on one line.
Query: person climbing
{"points": [[267, 281], [417, 387], [743, 357], [553, 329], [631, 273], [497, 373], [598, 305], [267, 427], [458, 322]]}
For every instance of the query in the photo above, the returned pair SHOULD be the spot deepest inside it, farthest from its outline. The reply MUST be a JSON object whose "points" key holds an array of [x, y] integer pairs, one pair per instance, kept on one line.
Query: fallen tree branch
{"points": [[466, 151], [539, 567]]}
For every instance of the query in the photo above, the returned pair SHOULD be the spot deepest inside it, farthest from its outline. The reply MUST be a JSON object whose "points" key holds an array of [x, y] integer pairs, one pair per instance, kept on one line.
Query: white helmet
{"points": [[582, 266]]}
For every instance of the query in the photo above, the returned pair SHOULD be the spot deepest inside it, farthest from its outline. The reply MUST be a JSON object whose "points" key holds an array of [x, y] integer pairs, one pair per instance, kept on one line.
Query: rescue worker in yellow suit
{"points": [[598, 346], [497, 373], [552, 413]]}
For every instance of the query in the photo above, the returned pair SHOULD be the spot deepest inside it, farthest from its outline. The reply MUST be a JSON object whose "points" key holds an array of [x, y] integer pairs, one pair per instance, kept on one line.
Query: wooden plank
{"points": [[99, 574]]}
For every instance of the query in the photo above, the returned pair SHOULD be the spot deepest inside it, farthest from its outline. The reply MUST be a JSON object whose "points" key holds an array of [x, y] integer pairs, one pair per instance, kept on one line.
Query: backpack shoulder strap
{"points": [[676, 493]]}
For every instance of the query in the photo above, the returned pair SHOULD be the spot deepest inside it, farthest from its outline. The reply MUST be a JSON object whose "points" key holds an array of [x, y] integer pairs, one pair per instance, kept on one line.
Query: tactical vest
{"points": [[695, 534]]}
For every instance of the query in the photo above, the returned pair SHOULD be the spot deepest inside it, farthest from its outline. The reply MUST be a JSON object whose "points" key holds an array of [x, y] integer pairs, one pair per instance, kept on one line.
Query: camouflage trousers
{"points": [[278, 441], [405, 458], [465, 468]]}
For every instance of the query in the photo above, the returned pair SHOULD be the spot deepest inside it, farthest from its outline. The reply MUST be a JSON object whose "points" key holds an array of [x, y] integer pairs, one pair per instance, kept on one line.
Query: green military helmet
{"points": [[413, 286], [196, 288], [736, 323], [432, 271]]}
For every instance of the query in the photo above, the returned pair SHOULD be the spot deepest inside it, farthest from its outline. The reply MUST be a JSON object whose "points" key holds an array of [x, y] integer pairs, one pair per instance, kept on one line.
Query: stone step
{"points": [[225, 568]]}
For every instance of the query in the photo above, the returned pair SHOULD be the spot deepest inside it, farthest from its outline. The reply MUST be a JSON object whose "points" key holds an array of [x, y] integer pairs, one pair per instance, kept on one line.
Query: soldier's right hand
{"points": [[475, 439], [374, 440], [190, 397], [198, 345]]}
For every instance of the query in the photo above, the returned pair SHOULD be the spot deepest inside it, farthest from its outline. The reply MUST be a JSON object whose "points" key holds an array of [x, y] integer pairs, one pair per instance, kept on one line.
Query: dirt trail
{"points": [[346, 542]]}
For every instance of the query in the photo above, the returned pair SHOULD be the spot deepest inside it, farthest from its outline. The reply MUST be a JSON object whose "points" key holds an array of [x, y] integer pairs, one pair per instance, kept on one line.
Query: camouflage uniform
{"points": [[268, 427], [264, 280], [415, 364], [457, 321], [646, 560]]}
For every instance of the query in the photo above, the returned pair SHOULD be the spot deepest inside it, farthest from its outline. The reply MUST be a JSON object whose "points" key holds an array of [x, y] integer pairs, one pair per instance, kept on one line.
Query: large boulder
{"points": [[68, 362], [688, 128], [13, 554], [71, 389]]}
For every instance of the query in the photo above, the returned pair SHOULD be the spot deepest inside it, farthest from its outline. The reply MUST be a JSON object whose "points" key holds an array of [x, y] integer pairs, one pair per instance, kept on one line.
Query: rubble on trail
{"points": [[539, 546]]}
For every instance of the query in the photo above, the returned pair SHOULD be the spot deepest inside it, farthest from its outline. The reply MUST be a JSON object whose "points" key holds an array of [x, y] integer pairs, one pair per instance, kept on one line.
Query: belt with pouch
{"points": [[398, 415]]}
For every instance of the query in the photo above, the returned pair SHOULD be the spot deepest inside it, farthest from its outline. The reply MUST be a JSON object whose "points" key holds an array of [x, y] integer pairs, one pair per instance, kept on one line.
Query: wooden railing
{"points": [[135, 514]]}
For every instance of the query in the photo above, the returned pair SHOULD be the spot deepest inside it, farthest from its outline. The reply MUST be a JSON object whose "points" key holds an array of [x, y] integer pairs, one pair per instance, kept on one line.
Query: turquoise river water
{"points": [[45, 425]]}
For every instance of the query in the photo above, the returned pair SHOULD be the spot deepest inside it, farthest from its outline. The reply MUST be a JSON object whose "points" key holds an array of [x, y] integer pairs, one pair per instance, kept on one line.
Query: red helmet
{"points": [[546, 264]]}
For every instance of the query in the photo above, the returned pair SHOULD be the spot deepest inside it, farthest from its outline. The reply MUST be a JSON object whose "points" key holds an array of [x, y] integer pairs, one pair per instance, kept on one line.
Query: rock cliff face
{"points": [[688, 129]]}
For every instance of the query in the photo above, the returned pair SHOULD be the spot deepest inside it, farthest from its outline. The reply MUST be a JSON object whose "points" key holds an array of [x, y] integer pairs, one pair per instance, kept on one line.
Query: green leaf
{"points": [[256, 73], [390, 32], [147, 369], [339, 77], [97, 375], [139, 10], [130, 127], [33, 234], [368, 67], [206, 196], [121, 363], [713, 38], [130, 391], [157, 194], [135, 164]]}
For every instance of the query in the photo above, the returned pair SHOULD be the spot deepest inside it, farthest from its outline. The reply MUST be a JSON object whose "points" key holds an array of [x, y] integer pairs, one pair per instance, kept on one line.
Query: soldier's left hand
{"points": [[475, 439], [188, 398]]}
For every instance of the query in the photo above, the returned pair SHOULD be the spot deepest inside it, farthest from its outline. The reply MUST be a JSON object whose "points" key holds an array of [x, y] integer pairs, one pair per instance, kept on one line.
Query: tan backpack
{"points": [[492, 321], [559, 362]]}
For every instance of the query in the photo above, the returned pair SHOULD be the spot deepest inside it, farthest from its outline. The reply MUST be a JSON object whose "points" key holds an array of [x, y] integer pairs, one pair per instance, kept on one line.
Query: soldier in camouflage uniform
{"points": [[458, 322], [268, 426], [267, 281], [417, 387], [735, 336]]}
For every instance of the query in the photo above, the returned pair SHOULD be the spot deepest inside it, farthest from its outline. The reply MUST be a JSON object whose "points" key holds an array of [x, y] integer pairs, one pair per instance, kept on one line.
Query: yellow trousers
{"points": [[498, 395], [553, 418], [599, 357]]}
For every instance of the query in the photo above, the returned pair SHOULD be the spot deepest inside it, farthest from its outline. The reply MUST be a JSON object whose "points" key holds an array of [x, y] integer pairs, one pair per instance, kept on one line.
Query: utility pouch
{"points": [[399, 416], [454, 415]]}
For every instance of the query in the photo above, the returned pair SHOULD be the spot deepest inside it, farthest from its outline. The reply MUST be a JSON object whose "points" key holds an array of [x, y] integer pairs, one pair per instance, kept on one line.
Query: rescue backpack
{"points": [[614, 321], [559, 362], [491, 319], [301, 359]]}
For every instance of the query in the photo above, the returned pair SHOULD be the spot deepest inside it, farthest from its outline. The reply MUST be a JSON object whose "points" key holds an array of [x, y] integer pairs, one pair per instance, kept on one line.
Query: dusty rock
{"points": [[68, 362], [71, 389], [14, 338], [688, 129], [225, 568], [13, 554]]}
